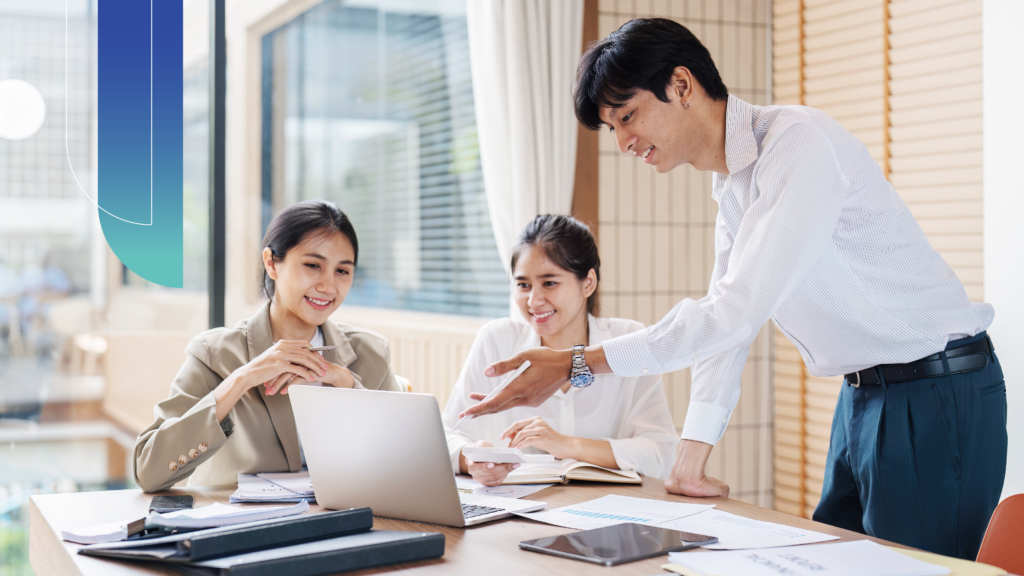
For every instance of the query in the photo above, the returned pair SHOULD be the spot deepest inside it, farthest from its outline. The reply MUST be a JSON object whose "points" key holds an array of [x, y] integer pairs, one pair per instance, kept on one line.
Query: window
{"points": [[371, 106]]}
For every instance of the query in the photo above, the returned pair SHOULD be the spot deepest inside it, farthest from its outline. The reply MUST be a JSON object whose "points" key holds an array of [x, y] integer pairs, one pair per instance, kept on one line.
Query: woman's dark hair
{"points": [[294, 225], [640, 55], [567, 242]]}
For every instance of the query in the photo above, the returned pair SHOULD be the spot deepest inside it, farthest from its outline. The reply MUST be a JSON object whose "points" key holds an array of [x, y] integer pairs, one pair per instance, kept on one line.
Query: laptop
{"points": [[387, 451]]}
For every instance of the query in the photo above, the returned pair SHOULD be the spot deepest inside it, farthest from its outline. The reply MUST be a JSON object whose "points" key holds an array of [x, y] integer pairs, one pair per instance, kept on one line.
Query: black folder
{"points": [[207, 544], [305, 545]]}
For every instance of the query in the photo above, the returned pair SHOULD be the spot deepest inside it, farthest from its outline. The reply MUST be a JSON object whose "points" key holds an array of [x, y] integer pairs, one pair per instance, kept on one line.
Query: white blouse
{"points": [[631, 413]]}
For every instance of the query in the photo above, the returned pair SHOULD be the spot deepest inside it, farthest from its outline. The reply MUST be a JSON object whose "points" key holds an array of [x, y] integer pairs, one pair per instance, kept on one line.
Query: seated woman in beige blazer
{"points": [[228, 411]]}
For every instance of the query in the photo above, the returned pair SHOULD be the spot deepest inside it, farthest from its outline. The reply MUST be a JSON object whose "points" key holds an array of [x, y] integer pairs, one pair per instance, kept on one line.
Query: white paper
{"points": [[222, 515], [252, 488], [840, 559], [613, 509], [505, 491], [97, 533], [739, 533], [298, 483]]}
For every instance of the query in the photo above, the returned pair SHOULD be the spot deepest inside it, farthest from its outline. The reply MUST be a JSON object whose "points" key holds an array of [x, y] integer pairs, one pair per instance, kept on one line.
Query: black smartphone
{"points": [[161, 504]]}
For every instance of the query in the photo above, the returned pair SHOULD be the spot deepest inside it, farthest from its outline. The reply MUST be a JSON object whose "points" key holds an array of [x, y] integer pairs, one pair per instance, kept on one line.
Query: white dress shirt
{"points": [[811, 234], [631, 413]]}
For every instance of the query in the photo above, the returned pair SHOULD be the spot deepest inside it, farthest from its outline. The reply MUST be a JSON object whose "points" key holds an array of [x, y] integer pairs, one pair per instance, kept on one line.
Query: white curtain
{"points": [[523, 55]]}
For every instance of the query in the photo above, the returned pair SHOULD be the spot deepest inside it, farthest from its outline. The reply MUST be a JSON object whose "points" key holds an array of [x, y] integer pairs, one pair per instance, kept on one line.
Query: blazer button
{"points": [[182, 459], [193, 453], [203, 447], [172, 465]]}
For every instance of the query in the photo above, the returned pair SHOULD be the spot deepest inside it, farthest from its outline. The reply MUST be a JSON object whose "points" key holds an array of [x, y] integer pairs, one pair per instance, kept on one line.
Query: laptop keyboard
{"points": [[472, 511]]}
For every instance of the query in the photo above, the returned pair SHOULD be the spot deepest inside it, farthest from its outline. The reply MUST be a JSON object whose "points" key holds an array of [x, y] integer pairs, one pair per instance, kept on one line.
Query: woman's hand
{"points": [[336, 375], [488, 473], [281, 363], [285, 360], [537, 433]]}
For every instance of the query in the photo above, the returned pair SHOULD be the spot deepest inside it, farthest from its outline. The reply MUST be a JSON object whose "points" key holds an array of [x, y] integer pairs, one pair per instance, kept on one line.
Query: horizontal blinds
{"points": [[936, 126], [379, 117]]}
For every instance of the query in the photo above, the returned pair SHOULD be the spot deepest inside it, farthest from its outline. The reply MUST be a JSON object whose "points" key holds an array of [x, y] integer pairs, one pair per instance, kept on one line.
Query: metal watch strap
{"points": [[578, 364]]}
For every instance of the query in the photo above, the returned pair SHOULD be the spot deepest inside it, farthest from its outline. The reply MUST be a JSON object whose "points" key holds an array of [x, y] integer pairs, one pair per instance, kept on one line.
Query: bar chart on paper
{"points": [[614, 509]]}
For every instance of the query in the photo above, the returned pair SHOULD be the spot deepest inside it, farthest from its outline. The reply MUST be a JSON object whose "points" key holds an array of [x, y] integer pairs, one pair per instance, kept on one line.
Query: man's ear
{"points": [[681, 83], [269, 263]]}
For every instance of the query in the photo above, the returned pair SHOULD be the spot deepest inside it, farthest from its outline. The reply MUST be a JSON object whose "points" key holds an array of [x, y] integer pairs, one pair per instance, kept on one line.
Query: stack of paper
{"points": [[842, 559], [613, 509], [214, 515], [296, 482], [739, 533], [222, 515], [255, 489]]}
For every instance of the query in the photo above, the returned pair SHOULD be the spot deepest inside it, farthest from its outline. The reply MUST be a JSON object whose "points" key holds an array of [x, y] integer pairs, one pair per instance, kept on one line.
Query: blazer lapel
{"points": [[333, 336], [260, 338]]}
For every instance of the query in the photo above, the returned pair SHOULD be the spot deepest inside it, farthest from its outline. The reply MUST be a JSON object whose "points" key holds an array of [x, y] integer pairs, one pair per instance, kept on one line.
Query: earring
{"points": [[686, 105]]}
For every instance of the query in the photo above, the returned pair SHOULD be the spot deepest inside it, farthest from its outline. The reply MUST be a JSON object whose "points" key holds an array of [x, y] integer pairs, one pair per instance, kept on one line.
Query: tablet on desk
{"points": [[617, 544]]}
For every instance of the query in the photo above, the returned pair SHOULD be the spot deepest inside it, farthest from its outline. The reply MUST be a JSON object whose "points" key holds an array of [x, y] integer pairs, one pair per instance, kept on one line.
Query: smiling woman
{"points": [[228, 411]]}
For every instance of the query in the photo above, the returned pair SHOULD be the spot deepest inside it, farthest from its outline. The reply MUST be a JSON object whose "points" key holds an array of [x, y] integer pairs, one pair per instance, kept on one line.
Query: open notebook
{"points": [[569, 469]]}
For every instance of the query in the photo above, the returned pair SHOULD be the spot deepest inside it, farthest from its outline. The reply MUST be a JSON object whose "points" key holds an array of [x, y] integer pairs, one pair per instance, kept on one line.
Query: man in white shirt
{"points": [[810, 234]]}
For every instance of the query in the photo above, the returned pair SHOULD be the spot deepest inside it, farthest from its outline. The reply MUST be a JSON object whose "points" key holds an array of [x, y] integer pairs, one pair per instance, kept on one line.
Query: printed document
{"points": [[252, 488], [841, 559], [613, 509], [296, 482], [739, 533]]}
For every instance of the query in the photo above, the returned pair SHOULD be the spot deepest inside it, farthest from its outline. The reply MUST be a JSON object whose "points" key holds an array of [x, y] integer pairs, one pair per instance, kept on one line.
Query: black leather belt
{"points": [[963, 359]]}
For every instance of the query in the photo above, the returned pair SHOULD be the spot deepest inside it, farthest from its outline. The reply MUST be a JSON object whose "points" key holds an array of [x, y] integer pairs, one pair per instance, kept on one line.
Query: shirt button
{"points": [[645, 371], [203, 447], [172, 465], [182, 459], [725, 421], [193, 453], [696, 357]]}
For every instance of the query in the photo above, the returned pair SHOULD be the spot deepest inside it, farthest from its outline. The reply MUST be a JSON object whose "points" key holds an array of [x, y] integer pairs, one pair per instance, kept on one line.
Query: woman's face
{"points": [[314, 277], [550, 297]]}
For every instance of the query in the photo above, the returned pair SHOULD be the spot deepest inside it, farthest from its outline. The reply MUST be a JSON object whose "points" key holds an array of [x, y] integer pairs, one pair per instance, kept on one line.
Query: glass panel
{"points": [[370, 104]]}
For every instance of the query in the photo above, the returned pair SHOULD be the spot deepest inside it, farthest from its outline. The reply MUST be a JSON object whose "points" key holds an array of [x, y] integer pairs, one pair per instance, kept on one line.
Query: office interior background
{"points": [[372, 104]]}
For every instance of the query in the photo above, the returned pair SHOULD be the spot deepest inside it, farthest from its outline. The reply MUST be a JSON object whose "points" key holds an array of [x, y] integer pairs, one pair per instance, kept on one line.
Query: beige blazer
{"points": [[258, 435]]}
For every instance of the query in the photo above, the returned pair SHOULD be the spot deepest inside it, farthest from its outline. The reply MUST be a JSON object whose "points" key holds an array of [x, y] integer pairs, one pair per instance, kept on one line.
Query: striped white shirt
{"points": [[810, 234]]}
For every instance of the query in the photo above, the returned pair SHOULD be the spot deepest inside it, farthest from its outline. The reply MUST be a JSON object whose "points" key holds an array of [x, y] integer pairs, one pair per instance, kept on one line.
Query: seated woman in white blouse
{"points": [[617, 422]]}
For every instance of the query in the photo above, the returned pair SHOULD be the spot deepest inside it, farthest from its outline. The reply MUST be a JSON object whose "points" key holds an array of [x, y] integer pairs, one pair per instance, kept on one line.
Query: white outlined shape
{"points": [[67, 149]]}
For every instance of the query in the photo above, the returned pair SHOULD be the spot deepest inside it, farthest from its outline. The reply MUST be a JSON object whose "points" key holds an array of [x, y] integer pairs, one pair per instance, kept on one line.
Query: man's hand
{"points": [[486, 473], [549, 370], [688, 478]]}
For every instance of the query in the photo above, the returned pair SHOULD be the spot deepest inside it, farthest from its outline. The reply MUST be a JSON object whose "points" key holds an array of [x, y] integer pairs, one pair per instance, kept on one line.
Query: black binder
{"points": [[342, 554], [206, 544]]}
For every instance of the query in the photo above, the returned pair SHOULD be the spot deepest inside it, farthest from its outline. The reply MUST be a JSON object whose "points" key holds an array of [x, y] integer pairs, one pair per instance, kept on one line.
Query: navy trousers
{"points": [[920, 463]]}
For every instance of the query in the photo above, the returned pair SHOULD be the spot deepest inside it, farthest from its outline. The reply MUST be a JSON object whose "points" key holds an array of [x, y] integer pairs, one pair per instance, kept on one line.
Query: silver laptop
{"points": [[387, 451]]}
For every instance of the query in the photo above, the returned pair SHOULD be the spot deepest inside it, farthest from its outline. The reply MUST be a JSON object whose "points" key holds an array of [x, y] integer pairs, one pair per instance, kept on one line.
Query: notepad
{"points": [[562, 471]]}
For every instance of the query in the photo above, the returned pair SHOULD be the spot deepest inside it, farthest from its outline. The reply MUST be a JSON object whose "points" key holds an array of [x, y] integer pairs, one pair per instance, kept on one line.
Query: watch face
{"points": [[582, 380]]}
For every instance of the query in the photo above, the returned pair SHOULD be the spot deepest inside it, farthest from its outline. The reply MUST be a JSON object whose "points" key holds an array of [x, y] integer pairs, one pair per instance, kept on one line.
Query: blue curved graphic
{"points": [[140, 136]]}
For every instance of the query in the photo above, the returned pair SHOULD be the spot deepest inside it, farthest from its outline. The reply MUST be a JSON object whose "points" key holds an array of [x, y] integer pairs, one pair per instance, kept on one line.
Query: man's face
{"points": [[660, 133]]}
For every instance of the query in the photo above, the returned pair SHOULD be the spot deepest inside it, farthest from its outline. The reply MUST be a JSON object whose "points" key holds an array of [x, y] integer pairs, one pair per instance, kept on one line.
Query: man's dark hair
{"points": [[294, 225], [640, 55], [567, 242]]}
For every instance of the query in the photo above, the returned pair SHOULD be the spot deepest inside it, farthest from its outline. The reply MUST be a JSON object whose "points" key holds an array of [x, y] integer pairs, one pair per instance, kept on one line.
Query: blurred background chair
{"points": [[1003, 545]]}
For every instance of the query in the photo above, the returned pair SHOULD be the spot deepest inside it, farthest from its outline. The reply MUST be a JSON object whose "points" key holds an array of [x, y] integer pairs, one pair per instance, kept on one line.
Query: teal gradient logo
{"points": [[140, 136]]}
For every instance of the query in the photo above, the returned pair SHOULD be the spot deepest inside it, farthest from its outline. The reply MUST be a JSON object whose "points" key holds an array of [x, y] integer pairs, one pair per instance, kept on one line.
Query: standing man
{"points": [[810, 234]]}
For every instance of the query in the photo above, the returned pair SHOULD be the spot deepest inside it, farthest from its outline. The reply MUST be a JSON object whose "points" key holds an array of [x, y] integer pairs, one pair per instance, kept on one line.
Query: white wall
{"points": [[1003, 48]]}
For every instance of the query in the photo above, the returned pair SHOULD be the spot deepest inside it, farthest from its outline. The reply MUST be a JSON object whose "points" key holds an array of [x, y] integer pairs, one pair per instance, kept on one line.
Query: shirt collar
{"points": [[740, 144]]}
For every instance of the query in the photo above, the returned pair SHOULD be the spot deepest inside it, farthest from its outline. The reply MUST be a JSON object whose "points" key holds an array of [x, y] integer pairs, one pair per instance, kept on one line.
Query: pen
{"points": [[323, 348], [522, 368], [464, 490]]}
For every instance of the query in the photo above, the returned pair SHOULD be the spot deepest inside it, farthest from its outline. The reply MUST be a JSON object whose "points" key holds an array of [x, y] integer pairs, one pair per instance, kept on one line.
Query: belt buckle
{"points": [[856, 382]]}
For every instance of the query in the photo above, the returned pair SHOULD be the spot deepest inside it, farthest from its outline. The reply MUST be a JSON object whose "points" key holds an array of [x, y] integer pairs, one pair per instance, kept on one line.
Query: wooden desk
{"points": [[490, 548]]}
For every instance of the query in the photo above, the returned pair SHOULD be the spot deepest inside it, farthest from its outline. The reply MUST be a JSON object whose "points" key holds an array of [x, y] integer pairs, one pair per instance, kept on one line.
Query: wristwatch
{"points": [[581, 376]]}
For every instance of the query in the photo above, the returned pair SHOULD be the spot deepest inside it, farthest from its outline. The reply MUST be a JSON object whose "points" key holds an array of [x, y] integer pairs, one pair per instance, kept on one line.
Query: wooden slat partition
{"points": [[904, 76]]}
